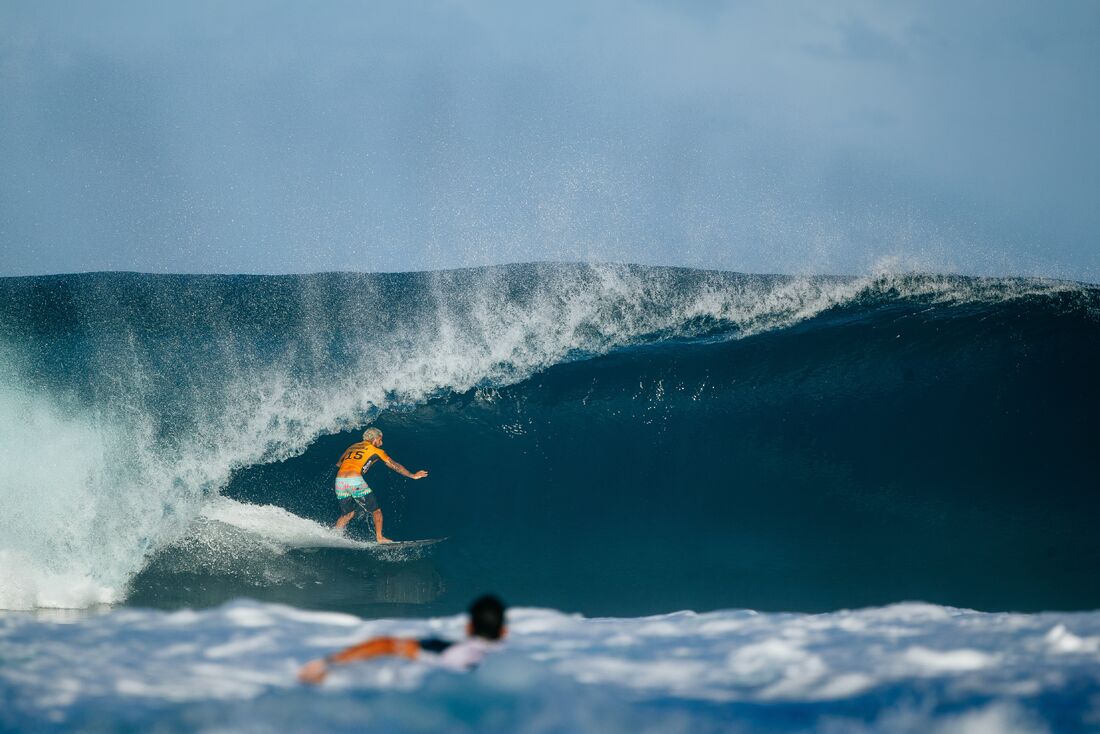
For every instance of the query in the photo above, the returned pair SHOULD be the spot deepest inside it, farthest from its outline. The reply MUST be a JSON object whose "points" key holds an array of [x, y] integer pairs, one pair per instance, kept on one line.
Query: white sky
{"points": [[794, 137]]}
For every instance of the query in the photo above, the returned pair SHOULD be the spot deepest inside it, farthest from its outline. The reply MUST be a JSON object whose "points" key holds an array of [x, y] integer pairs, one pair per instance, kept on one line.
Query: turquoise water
{"points": [[613, 441]]}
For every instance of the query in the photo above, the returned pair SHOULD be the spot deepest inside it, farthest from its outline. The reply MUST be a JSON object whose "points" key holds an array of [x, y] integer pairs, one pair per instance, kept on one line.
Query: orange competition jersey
{"points": [[359, 457]]}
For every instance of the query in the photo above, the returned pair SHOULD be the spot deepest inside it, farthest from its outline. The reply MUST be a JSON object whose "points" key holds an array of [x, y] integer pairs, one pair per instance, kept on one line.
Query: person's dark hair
{"points": [[487, 617]]}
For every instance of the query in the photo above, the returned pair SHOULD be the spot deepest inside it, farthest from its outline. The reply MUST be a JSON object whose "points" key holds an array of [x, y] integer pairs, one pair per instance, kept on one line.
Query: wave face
{"points": [[613, 439]]}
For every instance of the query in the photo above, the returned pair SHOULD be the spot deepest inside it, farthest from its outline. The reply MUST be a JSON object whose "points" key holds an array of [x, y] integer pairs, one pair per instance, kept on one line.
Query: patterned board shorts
{"points": [[351, 487], [355, 496]]}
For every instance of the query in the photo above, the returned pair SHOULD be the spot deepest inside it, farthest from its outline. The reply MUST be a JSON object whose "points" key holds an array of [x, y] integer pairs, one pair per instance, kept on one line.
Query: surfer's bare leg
{"points": [[344, 520], [377, 515]]}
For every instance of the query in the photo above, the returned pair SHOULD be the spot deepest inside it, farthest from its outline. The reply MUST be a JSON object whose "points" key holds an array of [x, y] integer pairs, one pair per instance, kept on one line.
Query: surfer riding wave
{"points": [[352, 492]]}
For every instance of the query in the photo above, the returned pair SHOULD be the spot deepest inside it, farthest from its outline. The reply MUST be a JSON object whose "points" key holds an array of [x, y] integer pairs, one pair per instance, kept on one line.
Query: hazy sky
{"points": [[758, 136]]}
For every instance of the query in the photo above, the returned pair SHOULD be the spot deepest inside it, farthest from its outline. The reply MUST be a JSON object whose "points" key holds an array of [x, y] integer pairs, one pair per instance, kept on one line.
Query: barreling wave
{"points": [[693, 433]]}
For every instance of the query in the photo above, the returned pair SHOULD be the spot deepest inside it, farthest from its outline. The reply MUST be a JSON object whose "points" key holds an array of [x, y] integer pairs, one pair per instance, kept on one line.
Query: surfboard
{"points": [[407, 543], [401, 551], [368, 545]]}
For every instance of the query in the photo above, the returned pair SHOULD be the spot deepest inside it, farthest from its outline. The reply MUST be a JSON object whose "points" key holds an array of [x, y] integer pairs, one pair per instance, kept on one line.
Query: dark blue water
{"points": [[615, 444]]}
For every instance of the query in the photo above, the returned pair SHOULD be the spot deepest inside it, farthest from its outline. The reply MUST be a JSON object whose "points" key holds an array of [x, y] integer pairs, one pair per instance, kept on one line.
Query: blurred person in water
{"points": [[484, 633], [352, 492]]}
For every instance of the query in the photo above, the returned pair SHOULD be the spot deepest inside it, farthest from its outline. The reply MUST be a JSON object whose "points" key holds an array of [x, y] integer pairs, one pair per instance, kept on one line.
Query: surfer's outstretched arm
{"points": [[403, 471], [315, 670]]}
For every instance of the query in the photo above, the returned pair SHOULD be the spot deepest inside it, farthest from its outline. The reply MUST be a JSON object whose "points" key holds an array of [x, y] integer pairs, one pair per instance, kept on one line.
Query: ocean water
{"points": [[903, 668], [680, 479]]}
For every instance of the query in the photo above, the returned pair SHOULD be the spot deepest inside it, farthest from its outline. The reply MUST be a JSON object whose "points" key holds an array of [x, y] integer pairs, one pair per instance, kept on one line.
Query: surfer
{"points": [[355, 497], [484, 631]]}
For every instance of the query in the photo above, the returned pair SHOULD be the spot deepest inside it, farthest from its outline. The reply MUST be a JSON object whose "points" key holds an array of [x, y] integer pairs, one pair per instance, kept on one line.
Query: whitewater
{"points": [[717, 501], [902, 668]]}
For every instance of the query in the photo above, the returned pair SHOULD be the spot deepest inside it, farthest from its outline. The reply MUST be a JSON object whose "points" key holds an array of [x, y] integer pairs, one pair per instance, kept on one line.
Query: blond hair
{"points": [[371, 433]]}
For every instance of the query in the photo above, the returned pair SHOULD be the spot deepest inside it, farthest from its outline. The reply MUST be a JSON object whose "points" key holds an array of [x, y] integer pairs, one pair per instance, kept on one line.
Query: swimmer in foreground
{"points": [[355, 497], [484, 632]]}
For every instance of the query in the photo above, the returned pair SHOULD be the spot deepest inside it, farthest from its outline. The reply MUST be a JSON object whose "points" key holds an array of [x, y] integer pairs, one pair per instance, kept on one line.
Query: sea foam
{"points": [[885, 669]]}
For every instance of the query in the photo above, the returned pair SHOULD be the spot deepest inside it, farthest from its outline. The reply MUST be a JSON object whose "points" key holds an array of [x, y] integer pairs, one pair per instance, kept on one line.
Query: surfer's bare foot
{"points": [[384, 540]]}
